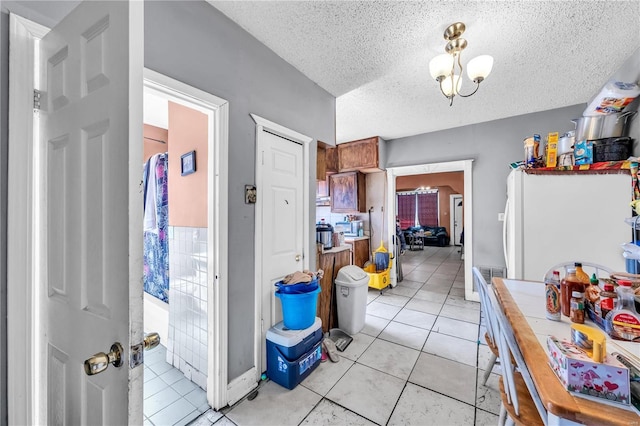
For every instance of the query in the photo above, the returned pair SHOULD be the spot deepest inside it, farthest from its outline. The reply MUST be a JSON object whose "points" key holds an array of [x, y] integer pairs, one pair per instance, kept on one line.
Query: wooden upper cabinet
{"points": [[321, 164], [331, 160], [365, 155], [348, 192]]}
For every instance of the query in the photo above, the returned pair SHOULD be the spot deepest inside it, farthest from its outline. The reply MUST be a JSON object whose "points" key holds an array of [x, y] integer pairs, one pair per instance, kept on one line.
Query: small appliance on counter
{"points": [[352, 228], [324, 235]]}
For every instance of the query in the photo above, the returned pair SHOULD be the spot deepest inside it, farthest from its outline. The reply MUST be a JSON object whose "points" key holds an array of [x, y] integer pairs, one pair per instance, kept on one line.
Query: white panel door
{"points": [[90, 209], [457, 219], [282, 222]]}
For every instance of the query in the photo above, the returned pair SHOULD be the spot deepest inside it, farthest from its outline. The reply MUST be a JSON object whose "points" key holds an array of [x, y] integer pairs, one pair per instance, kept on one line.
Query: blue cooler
{"points": [[293, 354]]}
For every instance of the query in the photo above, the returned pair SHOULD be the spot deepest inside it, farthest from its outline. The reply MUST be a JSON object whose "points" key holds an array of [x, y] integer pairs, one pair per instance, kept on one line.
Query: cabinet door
{"points": [[358, 155], [331, 160], [347, 192], [360, 252], [322, 188], [321, 164]]}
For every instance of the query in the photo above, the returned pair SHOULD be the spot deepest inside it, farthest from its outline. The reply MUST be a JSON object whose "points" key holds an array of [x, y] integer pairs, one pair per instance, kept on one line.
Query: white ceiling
{"points": [[374, 55]]}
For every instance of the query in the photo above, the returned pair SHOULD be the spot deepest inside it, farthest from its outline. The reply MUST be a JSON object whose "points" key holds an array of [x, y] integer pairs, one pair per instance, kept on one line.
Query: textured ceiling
{"points": [[374, 55]]}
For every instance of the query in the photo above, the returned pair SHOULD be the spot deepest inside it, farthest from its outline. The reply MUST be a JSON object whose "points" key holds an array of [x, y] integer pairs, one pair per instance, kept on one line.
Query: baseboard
{"points": [[241, 386]]}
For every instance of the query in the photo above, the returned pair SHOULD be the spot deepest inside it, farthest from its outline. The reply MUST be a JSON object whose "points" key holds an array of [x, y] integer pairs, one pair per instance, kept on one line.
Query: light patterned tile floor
{"points": [[416, 362]]}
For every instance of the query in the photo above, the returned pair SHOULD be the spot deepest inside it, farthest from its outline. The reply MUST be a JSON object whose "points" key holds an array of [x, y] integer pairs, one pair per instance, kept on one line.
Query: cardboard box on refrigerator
{"points": [[582, 375]]}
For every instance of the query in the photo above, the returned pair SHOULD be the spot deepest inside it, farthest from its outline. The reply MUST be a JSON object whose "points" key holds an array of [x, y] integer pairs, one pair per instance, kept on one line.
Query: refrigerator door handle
{"points": [[504, 233]]}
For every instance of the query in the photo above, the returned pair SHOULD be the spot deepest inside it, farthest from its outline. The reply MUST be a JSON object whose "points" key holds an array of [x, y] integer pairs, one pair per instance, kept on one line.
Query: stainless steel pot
{"points": [[603, 126], [324, 235]]}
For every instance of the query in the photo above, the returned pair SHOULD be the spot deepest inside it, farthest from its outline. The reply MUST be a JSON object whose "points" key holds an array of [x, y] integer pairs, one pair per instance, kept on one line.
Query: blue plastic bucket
{"points": [[298, 309], [297, 288]]}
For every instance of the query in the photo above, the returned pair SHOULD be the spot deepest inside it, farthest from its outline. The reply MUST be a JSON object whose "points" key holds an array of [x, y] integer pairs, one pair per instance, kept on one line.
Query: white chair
{"points": [[487, 311], [520, 399]]}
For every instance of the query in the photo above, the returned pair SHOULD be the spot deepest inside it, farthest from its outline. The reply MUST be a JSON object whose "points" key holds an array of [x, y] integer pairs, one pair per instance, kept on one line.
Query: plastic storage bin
{"points": [[293, 354], [298, 309], [351, 295]]}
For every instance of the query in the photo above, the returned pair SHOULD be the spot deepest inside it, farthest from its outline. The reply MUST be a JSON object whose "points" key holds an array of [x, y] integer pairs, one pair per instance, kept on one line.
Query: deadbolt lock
{"points": [[100, 361]]}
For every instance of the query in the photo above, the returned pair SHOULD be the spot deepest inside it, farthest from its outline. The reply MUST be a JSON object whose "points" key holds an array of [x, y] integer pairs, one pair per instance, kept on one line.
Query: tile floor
{"points": [[416, 362]]}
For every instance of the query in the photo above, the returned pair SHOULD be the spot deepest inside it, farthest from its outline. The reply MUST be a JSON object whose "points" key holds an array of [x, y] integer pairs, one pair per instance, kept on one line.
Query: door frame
{"points": [[421, 169], [24, 402], [452, 207], [264, 125], [217, 111]]}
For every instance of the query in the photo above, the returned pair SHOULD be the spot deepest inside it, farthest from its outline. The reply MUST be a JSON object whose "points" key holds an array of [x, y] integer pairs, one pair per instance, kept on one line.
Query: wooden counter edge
{"points": [[554, 396]]}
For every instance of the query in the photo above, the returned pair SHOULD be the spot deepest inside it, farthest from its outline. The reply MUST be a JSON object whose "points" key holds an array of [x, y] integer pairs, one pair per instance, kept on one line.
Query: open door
{"points": [[86, 223]]}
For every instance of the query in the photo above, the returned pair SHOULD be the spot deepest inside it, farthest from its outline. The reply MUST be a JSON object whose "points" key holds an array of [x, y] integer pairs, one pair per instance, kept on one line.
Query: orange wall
{"points": [[187, 194], [151, 146], [446, 183]]}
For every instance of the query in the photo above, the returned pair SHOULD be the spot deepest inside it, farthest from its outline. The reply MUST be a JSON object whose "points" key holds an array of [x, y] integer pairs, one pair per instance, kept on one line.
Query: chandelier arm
{"points": [[476, 89]]}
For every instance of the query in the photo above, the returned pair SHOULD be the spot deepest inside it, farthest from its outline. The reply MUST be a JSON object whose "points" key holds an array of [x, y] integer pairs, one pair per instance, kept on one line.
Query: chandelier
{"points": [[443, 67]]}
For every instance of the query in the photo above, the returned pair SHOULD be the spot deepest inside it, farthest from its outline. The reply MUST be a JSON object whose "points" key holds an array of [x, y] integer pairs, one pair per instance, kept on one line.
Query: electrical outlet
{"points": [[501, 217]]}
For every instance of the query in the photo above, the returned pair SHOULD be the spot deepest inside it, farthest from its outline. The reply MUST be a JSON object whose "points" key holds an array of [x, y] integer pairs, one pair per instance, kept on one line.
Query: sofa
{"points": [[432, 235]]}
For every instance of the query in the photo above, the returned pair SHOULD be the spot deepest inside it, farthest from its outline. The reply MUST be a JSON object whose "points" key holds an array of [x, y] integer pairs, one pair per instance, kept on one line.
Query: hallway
{"points": [[416, 362]]}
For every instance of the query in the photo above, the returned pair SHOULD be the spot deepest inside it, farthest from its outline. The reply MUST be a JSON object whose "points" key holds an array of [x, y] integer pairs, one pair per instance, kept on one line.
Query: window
{"points": [[417, 208]]}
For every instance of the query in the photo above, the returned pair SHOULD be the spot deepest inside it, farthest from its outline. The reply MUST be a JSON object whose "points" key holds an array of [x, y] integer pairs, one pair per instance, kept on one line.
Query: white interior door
{"points": [[282, 218], [457, 218], [91, 246]]}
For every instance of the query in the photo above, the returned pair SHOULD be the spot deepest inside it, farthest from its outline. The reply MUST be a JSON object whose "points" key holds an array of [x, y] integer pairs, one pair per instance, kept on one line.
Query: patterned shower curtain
{"points": [[156, 221]]}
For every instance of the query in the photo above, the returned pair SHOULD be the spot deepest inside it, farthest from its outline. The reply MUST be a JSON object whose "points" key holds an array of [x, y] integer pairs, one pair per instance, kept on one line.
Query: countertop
{"points": [[351, 239], [335, 249]]}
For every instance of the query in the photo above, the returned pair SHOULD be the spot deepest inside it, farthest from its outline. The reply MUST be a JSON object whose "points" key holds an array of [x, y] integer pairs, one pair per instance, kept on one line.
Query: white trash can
{"points": [[351, 294]]}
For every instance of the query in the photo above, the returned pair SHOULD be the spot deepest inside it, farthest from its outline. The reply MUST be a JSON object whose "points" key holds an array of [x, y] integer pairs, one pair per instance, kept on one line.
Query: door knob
{"points": [[297, 258], [151, 340], [100, 361]]}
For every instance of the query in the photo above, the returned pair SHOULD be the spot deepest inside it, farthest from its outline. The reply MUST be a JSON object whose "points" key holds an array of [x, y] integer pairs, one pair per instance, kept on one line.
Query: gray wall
{"points": [[4, 137], [194, 43], [493, 146]]}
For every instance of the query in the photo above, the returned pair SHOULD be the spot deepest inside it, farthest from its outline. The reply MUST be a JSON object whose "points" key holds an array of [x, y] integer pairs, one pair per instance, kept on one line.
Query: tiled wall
{"points": [[187, 341]]}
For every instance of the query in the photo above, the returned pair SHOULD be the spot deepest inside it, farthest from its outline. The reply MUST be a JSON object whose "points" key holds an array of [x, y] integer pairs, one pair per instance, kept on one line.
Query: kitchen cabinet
{"points": [[359, 250], [330, 262], [331, 160], [364, 155], [321, 163], [348, 192], [322, 188]]}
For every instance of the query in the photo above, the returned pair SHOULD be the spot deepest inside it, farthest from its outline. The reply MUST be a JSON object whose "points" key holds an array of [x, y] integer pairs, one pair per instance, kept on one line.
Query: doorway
{"points": [[453, 166], [196, 324]]}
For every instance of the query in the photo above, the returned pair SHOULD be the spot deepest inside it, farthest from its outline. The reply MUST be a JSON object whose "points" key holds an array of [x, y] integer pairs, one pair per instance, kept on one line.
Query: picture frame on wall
{"points": [[188, 163]]}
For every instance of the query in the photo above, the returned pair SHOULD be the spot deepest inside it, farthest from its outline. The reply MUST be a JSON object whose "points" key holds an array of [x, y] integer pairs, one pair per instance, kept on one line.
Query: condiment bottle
{"points": [[569, 284], [624, 319], [581, 274], [576, 310], [606, 303], [552, 292]]}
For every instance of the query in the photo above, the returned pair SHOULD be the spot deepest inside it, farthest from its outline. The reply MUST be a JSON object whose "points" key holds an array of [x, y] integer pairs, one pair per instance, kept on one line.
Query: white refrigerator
{"points": [[554, 218]]}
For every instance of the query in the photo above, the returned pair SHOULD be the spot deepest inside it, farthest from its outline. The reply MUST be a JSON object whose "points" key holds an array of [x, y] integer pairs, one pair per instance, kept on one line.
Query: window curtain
{"points": [[406, 210], [428, 209]]}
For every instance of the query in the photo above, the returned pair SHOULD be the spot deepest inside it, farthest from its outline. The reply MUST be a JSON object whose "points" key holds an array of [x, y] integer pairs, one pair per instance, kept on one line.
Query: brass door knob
{"points": [[297, 258], [100, 361], [151, 340]]}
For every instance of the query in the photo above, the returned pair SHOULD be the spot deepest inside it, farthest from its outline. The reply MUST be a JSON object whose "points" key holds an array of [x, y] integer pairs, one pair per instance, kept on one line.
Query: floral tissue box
{"points": [[582, 375]]}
